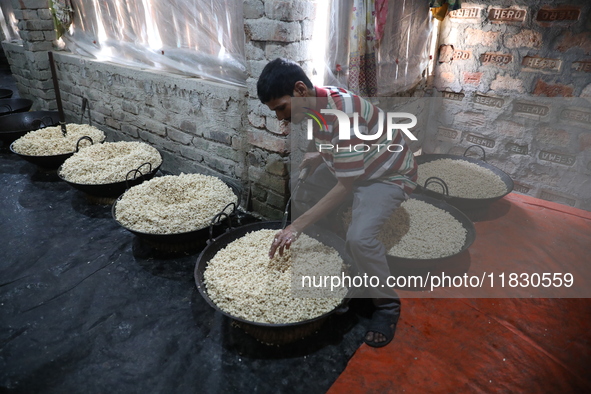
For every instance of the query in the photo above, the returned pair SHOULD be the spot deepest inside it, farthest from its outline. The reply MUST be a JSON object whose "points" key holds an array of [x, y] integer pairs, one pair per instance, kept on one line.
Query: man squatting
{"points": [[376, 181]]}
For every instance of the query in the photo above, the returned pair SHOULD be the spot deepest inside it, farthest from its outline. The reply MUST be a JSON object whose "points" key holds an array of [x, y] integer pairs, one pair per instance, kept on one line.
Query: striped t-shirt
{"points": [[369, 160]]}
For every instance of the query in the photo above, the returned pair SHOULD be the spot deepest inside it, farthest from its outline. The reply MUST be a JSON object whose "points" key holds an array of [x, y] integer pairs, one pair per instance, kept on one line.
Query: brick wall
{"points": [[197, 125], [29, 63], [515, 77], [273, 29]]}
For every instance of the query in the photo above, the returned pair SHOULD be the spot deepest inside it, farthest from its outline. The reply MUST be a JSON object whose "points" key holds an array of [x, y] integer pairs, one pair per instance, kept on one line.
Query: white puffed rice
{"points": [[51, 141], [173, 204], [242, 281], [109, 162], [418, 230], [463, 179]]}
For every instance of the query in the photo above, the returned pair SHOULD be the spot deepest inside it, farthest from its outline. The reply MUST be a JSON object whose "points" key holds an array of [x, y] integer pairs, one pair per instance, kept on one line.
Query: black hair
{"points": [[278, 79]]}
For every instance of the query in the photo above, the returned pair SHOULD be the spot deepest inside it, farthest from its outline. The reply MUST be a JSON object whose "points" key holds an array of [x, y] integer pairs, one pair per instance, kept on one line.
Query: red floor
{"points": [[506, 345]]}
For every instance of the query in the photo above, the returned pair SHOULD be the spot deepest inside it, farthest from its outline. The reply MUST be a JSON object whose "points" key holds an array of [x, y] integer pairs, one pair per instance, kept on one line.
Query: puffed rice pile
{"points": [[50, 141], [173, 204], [242, 281], [463, 179], [109, 162], [418, 230]]}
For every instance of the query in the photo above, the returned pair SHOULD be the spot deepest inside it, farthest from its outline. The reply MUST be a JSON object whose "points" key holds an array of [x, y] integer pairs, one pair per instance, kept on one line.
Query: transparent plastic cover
{"points": [[190, 37], [401, 52]]}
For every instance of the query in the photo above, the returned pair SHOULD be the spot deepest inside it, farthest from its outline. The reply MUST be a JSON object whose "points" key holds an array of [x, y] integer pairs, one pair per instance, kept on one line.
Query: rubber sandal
{"points": [[380, 323]]}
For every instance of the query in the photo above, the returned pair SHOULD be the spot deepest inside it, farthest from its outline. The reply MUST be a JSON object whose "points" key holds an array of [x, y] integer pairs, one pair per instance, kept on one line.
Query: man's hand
{"points": [[283, 240], [311, 161]]}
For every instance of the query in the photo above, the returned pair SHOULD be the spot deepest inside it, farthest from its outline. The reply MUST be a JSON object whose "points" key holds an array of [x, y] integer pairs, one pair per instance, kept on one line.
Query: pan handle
{"points": [[85, 104], [437, 181], [7, 106], [135, 172], [218, 219], [80, 140], [477, 146], [40, 123]]}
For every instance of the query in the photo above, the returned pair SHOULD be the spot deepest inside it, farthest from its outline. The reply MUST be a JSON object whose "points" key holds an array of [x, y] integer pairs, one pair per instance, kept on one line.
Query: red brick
{"points": [[446, 53], [481, 38], [585, 141], [472, 78], [267, 141], [549, 90], [580, 41]]}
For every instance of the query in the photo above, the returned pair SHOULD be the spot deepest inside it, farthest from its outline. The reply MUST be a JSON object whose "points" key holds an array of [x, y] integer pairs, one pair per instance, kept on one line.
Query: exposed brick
{"points": [[266, 211], [130, 107], [446, 53], [481, 38], [218, 136], [112, 123], [551, 136], [155, 127], [581, 41], [188, 126], [524, 39], [272, 182], [30, 15], [461, 55], [179, 136], [502, 15], [296, 51], [289, 10], [552, 90], [276, 200], [471, 120], [444, 80], [254, 51], [38, 25], [276, 165], [472, 78], [585, 142], [583, 66], [272, 30], [45, 13], [307, 29], [506, 83], [498, 59], [191, 153], [34, 4], [465, 13], [253, 9], [539, 63], [547, 14], [130, 130], [267, 141], [256, 120]]}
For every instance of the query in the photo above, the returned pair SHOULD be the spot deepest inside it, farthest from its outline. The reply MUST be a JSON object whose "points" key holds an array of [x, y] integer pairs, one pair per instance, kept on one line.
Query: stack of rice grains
{"points": [[49, 147], [169, 210], [105, 170]]}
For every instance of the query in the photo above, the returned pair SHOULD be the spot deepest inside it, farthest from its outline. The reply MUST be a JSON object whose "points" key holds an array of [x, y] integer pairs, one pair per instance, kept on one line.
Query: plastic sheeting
{"points": [[532, 345], [402, 53], [8, 22], [191, 37]]}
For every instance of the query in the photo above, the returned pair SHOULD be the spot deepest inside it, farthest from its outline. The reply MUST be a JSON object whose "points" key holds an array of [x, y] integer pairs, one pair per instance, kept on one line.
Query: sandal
{"points": [[381, 323]]}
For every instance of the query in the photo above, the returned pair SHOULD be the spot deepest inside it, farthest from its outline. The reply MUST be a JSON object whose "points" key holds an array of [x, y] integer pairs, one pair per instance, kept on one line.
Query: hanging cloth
{"points": [[439, 8], [362, 55]]}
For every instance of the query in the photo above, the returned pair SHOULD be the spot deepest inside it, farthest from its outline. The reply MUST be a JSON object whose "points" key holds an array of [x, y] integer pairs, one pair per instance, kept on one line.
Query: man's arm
{"points": [[336, 195]]}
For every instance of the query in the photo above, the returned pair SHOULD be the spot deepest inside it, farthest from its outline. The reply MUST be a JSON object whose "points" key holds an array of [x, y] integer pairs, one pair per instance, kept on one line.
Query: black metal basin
{"points": [[14, 126], [10, 106]]}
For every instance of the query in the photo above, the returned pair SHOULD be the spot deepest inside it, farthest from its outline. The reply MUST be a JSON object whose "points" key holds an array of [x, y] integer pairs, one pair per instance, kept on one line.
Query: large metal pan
{"points": [[167, 241], [5, 93], [51, 162], [10, 106], [462, 203], [275, 334], [16, 125], [113, 190], [456, 214]]}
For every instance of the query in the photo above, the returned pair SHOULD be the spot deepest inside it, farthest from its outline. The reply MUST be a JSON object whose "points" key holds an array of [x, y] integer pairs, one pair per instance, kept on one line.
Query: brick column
{"points": [[29, 63], [273, 29]]}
